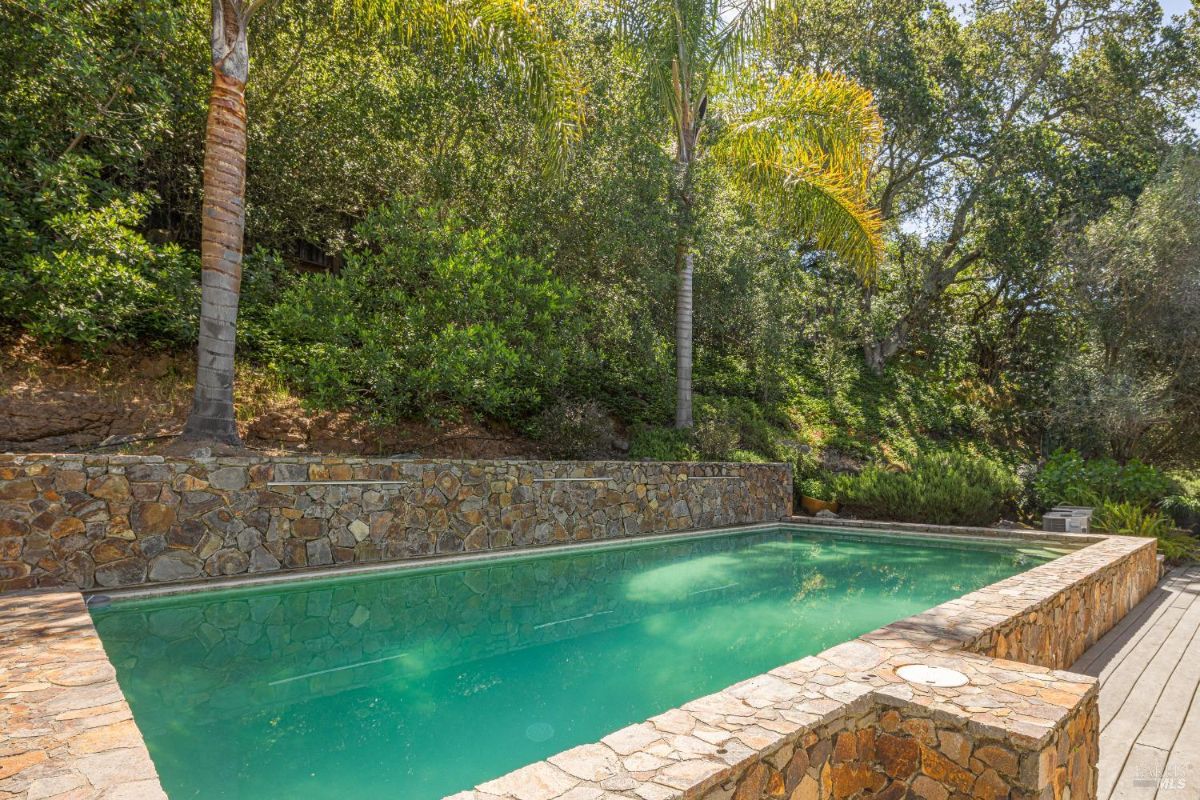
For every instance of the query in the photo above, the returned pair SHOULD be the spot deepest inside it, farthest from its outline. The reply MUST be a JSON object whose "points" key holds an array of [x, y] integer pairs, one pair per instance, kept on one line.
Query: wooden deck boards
{"points": [[1149, 672]]}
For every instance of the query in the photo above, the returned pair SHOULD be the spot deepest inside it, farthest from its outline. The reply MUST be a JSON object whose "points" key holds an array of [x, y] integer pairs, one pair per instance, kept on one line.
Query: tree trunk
{"points": [[223, 228], [683, 337], [876, 352]]}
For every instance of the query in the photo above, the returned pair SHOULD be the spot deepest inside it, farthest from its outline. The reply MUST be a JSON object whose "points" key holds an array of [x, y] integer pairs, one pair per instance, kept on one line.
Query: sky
{"points": [[1173, 7]]}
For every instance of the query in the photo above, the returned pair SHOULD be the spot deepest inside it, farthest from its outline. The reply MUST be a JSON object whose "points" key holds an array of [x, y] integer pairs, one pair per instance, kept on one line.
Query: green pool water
{"points": [[414, 685]]}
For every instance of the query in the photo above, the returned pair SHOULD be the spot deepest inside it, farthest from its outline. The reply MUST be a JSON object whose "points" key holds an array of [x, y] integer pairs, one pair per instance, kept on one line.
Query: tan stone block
{"points": [[188, 483], [929, 789], [850, 779], [956, 746], [897, 755], [23, 489], [866, 744], [70, 480], [806, 790], [107, 737], [109, 487], [945, 771], [845, 748], [1002, 759], [111, 549], [589, 762], [13, 764], [752, 782], [990, 786], [1059, 698], [922, 729], [775, 788], [66, 527], [540, 781]]}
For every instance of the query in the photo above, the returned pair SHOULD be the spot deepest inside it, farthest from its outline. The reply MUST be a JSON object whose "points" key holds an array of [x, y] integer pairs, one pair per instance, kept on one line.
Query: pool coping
{"points": [[433, 563], [50, 706]]}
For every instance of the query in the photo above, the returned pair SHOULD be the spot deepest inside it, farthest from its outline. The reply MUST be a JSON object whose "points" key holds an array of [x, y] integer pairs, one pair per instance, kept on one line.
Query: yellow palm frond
{"points": [[801, 147]]}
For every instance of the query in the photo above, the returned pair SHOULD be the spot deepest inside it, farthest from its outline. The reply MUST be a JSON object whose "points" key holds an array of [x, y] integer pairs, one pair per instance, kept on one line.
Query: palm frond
{"points": [[506, 34], [801, 147], [744, 25]]}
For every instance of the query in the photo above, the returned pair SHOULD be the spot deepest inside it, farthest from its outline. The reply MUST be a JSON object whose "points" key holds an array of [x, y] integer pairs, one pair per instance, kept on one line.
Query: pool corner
{"points": [[67, 729]]}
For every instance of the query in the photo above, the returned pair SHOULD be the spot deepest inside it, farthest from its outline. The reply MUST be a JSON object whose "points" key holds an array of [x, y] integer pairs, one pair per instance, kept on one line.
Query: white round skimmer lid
{"points": [[932, 676]]}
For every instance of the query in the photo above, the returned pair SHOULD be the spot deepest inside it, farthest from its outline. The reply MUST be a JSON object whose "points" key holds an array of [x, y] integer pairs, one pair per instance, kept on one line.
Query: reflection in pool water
{"points": [[416, 685]]}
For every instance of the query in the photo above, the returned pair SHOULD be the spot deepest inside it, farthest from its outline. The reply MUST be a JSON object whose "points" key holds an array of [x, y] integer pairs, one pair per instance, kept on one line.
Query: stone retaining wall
{"points": [[905, 751], [117, 521]]}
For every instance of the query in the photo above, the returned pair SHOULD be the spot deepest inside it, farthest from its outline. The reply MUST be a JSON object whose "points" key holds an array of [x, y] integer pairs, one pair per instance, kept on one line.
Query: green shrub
{"points": [[942, 488], [1184, 509], [100, 282], [819, 486], [653, 443], [1069, 479], [1131, 519], [428, 317], [715, 438], [574, 430]]}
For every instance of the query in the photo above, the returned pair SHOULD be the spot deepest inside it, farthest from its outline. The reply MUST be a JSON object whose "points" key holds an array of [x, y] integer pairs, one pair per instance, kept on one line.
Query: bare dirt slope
{"points": [[125, 401]]}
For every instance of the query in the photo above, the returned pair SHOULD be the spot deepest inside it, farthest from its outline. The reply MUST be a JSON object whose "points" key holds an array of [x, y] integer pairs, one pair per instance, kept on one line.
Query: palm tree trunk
{"points": [[683, 337], [223, 228]]}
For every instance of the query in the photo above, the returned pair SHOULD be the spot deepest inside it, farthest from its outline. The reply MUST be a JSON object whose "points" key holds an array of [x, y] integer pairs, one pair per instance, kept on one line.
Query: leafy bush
{"points": [[1131, 519], [819, 486], [1069, 479], [653, 443], [99, 282], [715, 438], [943, 488], [428, 317], [1184, 507], [574, 430]]}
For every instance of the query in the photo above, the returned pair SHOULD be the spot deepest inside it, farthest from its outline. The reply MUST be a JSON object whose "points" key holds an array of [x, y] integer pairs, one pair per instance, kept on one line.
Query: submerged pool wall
{"points": [[118, 521]]}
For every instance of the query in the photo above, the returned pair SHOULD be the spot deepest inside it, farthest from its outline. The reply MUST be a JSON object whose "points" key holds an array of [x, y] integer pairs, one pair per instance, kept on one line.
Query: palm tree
{"points": [[506, 34], [800, 146]]}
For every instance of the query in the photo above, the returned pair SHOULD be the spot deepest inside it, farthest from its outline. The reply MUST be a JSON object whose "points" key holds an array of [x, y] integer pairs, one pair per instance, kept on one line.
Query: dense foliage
{"points": [[942, 488], [1069, 479], [426, 315], [412, 255]]}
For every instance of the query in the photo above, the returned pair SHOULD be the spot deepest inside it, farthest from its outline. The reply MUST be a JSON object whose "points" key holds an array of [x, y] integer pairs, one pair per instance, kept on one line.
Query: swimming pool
{"points": [[418, 683]]}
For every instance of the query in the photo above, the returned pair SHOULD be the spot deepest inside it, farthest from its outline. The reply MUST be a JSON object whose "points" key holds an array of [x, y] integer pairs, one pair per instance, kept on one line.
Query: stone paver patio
{"points": [[66, 731], [1149, 672]]}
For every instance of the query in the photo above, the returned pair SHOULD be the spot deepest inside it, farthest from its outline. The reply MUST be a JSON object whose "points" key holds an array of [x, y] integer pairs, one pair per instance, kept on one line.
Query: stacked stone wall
{"points": [[907, 752], [117, 521]]}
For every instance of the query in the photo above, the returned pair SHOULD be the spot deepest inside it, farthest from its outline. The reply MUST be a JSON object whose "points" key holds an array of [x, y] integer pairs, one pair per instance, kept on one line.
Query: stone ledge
{"points": [[65, 728]]}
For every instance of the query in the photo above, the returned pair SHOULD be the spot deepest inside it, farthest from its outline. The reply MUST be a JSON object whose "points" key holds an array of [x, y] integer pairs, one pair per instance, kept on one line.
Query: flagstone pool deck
{"points": [[840, 724]]}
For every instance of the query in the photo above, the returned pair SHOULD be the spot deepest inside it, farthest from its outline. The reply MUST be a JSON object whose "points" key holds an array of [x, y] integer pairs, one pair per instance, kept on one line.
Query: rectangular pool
{"points": [[418, 683]]}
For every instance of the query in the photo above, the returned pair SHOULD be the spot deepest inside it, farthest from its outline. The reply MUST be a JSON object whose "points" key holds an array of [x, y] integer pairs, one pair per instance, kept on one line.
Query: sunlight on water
{"points": [[419, 684]]}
